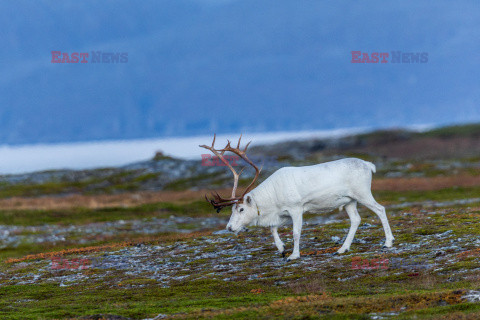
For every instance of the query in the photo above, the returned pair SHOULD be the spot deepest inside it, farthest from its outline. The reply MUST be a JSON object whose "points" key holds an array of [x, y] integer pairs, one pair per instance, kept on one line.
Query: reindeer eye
{"points": [[241, 209]]}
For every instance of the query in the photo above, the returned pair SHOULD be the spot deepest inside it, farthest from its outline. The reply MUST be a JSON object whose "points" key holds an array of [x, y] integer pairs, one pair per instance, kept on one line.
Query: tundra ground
{"points": [[135, 243], [168, 260]]}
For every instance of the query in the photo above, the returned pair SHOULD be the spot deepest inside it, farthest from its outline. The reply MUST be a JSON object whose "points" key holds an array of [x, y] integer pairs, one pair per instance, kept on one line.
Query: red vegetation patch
{"points": [[319, 252], [257, 291], [424, 184]]}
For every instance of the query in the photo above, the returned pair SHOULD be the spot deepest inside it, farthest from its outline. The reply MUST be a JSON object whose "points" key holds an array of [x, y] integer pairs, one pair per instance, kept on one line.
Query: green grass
{"points": [[80, 216], [85, 215], [214, 296], [282, 290], [468, 130], [446, 194], [28, 190], [384, 136], [99, 183], [149, 300], [372, 291]]}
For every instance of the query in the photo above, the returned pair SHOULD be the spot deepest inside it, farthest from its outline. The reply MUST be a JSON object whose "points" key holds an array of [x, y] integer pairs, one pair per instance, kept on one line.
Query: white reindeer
{"points": [[291, 191]]}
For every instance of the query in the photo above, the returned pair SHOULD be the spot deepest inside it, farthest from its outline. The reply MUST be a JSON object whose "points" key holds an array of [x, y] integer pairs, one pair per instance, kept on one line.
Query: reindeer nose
{"points": [[229, 228]]}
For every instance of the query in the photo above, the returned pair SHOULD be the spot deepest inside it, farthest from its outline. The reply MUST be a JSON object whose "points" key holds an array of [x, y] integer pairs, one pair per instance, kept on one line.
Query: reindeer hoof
{"points": [[387, 245], [283, 254], [293, 257]]}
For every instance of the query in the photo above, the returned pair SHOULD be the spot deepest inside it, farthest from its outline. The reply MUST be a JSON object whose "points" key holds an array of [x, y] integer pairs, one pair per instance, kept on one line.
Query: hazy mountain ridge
{"points": [[396, 153], [201, 66]]}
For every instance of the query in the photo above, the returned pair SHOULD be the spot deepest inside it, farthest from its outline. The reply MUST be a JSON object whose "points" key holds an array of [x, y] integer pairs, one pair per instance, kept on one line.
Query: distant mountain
{"points": [[197, 66], [396, 153]]}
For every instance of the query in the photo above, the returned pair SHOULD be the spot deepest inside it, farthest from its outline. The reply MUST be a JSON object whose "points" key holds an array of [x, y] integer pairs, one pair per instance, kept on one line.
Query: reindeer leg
{"points": [[278, 241], [380, 211], [355, 219], [297, 231]]}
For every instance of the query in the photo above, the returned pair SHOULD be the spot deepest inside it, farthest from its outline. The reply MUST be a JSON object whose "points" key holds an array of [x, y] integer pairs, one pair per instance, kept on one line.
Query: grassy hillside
{"points": [[164, 254]]}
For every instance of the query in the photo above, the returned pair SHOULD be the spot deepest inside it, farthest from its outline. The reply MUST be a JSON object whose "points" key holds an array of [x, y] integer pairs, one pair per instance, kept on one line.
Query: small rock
{"points": [[366, 226], [224, 231], [335, 239], [442, 303], [444, 234], [355, 240], [440, 253]]}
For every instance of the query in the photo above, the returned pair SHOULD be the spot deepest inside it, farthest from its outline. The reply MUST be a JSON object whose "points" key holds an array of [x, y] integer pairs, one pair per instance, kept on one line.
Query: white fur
{"points": [[291, 191]]}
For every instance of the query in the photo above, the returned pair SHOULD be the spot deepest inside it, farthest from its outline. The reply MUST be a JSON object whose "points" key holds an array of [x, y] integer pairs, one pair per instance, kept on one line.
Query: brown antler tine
{"points": [[212, 194], [216, 199], [216, 196], [211, 201], [218, 202], [239, 139], [241, 171], [246, 147], [235, 184]]}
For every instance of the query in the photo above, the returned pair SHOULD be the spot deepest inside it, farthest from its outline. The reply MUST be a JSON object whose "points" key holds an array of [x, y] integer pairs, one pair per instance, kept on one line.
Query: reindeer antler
{"points": [[218, 202]]}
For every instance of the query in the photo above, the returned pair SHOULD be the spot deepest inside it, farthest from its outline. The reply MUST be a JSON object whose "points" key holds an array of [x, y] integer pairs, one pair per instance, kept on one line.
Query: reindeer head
{"points": [[243, 209]]}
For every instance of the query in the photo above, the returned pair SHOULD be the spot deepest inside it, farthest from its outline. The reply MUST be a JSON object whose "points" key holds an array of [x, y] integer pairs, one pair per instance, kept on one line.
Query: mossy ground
{"points": [[195, 274]]}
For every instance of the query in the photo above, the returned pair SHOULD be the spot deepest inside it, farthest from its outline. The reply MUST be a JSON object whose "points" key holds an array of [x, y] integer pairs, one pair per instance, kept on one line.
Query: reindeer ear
{"points": [[249, 200]]}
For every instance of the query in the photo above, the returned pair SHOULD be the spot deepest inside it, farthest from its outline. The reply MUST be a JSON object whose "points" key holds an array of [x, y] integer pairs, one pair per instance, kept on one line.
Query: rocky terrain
{"points": [[136, 243]]}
